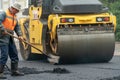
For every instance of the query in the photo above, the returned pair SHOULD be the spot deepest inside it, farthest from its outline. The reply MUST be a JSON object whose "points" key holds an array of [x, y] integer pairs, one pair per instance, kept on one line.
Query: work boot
{"points": [[1, 72], [14, 70]]}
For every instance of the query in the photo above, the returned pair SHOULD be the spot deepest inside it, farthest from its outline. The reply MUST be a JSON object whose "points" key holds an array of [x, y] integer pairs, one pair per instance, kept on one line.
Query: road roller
{"points": [[75, 30]]}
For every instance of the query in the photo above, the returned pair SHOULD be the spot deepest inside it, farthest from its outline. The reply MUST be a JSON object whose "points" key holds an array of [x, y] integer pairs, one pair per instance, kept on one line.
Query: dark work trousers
{"points": [[8, 50]]}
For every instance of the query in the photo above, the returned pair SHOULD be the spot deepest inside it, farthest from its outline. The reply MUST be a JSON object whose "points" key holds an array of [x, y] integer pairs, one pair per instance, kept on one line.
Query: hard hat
{"points": [[16, 6]]}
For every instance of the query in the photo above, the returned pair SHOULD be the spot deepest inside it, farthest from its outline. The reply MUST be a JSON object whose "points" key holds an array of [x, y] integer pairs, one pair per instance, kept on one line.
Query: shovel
{"points": [[52, 58]]}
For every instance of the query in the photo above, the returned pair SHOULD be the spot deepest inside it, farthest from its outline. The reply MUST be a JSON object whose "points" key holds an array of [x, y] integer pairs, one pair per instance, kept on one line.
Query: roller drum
{"points": [[86, 47]]}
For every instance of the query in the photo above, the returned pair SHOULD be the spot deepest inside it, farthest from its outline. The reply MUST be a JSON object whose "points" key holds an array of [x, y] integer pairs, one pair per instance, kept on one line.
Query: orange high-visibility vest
{"points": [[10, 21]]}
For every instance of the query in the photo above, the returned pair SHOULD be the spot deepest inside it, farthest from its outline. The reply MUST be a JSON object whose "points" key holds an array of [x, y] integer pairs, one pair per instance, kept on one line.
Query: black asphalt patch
{"points": [[60, 70], [112, 78], [27, 70]]}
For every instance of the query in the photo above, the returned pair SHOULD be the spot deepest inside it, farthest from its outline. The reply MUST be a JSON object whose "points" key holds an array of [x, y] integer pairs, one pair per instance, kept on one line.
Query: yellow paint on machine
{"points": [[35, 28]]}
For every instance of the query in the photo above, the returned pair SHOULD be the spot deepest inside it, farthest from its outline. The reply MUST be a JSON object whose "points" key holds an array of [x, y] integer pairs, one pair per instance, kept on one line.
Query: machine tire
{"points": [[26, 53]]}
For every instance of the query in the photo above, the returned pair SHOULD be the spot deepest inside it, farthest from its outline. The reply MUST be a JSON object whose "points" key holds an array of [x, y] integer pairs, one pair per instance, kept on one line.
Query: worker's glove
{"points": [[4, 32], [21, 38]]}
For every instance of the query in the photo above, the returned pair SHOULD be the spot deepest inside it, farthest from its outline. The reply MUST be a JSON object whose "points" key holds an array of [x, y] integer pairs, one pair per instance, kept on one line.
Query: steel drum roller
{"points": [[87, 47]]}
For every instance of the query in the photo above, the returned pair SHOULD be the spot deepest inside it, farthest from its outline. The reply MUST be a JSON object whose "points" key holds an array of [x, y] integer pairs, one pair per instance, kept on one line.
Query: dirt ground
{"points": [[117, 48], [38, 70]]}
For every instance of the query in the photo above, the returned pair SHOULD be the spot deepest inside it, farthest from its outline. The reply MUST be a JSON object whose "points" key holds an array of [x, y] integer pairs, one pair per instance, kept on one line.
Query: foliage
{"points": [[114, 7]]}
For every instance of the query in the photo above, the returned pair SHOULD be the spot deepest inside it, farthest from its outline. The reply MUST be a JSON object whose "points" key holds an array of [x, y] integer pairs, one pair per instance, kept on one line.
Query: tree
{"points": [[114, 7]]}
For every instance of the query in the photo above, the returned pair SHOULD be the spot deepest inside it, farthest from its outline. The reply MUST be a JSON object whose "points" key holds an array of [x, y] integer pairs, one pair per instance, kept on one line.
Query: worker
{"points": [[9, 24]]}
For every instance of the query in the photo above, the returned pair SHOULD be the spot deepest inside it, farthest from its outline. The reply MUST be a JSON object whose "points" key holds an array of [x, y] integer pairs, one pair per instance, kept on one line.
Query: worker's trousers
{"points": [[8, 50]]}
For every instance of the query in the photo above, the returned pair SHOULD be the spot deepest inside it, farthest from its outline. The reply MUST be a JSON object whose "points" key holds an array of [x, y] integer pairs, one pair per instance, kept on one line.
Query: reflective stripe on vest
{"points": [[10, 21]]}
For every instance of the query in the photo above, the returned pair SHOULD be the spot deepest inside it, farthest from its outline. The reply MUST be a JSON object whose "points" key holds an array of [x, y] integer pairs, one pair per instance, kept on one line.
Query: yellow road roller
{"points": [[75, 30]]}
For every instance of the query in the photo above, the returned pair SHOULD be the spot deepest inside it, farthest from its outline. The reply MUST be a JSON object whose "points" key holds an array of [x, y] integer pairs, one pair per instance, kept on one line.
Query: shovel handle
{"points": [[26, 43], [54, 60]]}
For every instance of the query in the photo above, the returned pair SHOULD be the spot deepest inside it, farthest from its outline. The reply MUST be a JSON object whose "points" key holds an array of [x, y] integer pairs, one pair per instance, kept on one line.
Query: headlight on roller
{"points": [[102, 19], [99, 19], [67, 20]]}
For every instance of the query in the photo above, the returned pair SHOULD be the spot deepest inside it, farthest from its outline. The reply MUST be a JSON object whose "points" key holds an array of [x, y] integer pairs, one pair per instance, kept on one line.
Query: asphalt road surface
{"points": [[39, 70]]}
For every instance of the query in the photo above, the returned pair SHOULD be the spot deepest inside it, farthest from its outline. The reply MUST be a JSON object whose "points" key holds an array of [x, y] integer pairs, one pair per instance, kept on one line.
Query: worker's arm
{"points": [[2, 17], [18, 30]]}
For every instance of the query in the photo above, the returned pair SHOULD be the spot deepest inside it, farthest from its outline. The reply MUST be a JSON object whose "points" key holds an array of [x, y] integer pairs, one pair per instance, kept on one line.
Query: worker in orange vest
{"points": [[9, 24]]}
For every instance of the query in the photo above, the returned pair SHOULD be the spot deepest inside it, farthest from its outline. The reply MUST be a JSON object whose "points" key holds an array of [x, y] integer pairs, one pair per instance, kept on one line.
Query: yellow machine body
{"points": [[34, 32], [89, 19]]}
